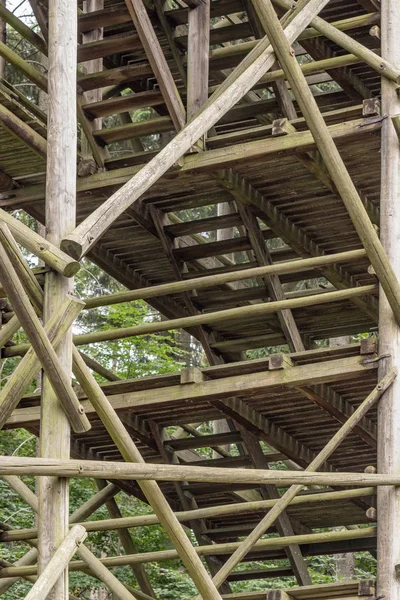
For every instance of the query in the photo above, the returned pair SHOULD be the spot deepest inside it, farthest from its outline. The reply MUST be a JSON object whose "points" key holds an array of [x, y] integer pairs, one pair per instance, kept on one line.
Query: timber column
{"points": [[389, 407], [60, 220]]}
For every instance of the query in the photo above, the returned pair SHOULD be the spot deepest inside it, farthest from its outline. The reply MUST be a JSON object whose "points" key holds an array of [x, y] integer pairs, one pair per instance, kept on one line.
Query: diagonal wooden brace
{"points": [[151, 489], [40, 247], [58, 563], [55, 329], [292, 492], [330, 155], [59, 380], [102, 573]]}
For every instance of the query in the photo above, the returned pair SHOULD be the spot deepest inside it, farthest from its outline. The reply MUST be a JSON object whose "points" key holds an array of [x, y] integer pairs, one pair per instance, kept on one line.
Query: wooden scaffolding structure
{"points": [[285, 118]]}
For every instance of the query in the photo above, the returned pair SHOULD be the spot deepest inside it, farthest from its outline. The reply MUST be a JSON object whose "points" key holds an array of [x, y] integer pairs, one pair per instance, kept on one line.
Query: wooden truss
{"points": [[240, 120]]}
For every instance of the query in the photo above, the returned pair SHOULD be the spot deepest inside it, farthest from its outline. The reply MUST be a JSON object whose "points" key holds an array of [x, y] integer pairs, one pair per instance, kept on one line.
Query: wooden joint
{"points": [[371, 515], [375, 32], [282, 127], [192, 375], [278, 595], [280, 361], [366, 587], [86, 166], [371, 107], [370, 469], [396, 123], [368, 346]]}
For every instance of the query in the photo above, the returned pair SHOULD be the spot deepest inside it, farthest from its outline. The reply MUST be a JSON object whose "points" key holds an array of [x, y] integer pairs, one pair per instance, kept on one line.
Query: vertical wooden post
{"points": [[2, 39], [389, 408], [60, 220], [198, 55], [92, 66]]}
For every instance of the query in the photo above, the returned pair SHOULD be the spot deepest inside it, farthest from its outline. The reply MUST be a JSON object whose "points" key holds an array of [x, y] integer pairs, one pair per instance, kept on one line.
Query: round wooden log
{"points": [[24, 30], [331, 156], [43, 249], [376, 62], [101, 572], [57, 564], [212, 549], [142, 472], [19, 128], [22, 65], [152, 491], [41, 348], [199, 513], [295, 266], [8, 330]]}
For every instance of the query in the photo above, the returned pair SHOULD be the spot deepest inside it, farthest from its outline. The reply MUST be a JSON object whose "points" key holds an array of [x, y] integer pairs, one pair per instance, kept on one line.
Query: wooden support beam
{"points": [[283, 523], [120, 104], [331, 156], [396, 125], [23, 131], [60, 215], [160, 220], [198, 57], [388, 582], [99, 153], [159, 7], [24, 30], [22, 269], [158, 472], [23, 491], [24, 67], [131, 130], [152, 491], [104, 495], [127, 543], [94, 47], [217, 280], [187, 502], [102, 573], [203, 441], [318, 462], [260, 61], [18, 382], [223, 388], [41, 344], [222, 316], [40, 14], [99, 368], [200, 513], [311, 541], [49, 253], [273, 284], [8, 330], [383, 66], [57, 564], [157, 61]]}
